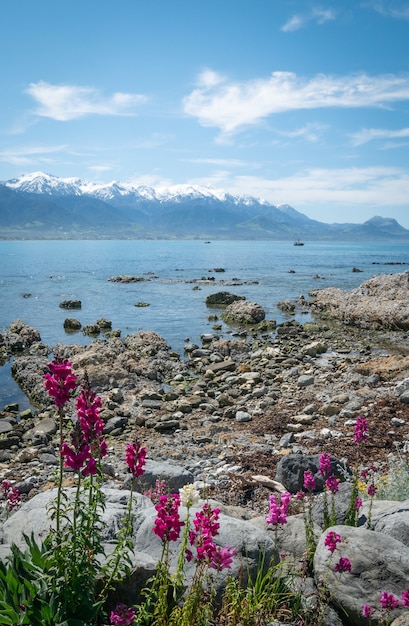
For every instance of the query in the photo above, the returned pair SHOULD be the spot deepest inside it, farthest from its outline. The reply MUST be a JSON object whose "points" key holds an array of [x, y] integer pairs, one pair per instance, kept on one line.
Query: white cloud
{"points": [[316, 15], [354, 187], [29, 155], [397, 10], [370, 134], [232, 105], [69, 102]]}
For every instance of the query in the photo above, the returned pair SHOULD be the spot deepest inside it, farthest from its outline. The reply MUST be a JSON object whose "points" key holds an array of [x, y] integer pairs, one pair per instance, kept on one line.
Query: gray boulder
{"points": [[378, 562]]}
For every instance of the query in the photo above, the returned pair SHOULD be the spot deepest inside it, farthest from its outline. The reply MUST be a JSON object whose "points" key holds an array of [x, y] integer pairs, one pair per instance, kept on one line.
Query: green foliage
{"points": [[265, 597], [395, 484]]}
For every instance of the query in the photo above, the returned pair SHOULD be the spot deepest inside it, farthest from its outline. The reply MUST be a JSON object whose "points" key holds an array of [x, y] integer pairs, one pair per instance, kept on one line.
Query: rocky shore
{"points": [[230, 408], [227, 413]]}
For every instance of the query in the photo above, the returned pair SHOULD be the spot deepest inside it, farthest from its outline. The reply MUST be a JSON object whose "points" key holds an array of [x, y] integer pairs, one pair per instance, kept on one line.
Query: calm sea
{"points": [[35, 276]]}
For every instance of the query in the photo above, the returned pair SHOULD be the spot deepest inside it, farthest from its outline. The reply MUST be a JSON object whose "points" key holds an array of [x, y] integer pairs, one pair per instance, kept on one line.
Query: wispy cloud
{"points": [[309, 132], [69, 102], [367, 186], [397, 10], [233, 105], [316, 16], [30, 155], [370, 134]]}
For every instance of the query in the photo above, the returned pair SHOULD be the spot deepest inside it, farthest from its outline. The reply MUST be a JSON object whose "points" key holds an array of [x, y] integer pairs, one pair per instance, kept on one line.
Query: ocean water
{"points": [[35, 276]]}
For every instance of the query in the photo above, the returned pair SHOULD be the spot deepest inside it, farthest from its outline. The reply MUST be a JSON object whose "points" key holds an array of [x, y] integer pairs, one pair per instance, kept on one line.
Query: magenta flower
{"points": [[155, 493], [372, 490], [206, 527], [358, 503], [122, 615], [332, 484], [60, 381], [309, 481], [135, 458], [11, 494], [167, 523], [405, 597], [222, 558], [343, 565], [360, 430], [88, 405], [331, 540], [325, 465], [278, 509], [367, 611], [388, 601]]}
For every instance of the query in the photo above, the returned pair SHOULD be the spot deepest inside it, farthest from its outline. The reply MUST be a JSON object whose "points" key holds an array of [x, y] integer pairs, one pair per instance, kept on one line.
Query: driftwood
{"points": [[264, 481]]}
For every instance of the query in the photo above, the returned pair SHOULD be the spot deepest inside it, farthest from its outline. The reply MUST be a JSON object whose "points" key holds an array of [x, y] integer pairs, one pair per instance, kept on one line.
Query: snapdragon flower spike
{"points": [[222, 558], [332, 484], [360, 430], [206, 527], [135, 458], [278, 509], [88, 406], [325, 465], [309, 481], [331, 540], [60, 381], [167, 523], [367, 611], [78, 456], [11, 494]]}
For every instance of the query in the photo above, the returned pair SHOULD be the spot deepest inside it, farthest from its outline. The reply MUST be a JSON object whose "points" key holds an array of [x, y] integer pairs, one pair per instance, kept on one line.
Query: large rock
{"points": [[382, 301], [244, 313], [378, 562], [290, 470]]}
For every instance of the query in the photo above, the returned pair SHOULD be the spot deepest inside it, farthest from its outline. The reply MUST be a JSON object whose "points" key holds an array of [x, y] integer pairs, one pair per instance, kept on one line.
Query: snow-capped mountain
{"points": [[39, 205]]}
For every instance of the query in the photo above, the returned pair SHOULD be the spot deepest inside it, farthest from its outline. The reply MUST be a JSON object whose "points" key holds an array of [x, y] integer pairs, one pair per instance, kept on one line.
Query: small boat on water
{"points": [[298, 243]]}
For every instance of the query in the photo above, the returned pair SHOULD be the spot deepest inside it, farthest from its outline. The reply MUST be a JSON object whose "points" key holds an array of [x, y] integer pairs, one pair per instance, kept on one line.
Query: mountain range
{"points": [[41, 206]]}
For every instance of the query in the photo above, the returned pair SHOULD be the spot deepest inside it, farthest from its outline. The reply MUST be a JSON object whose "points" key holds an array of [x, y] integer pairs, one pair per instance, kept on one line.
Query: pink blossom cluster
{"points": [[156, 492], [60, 381], [87, 442], [331, 541], [278, 509], [206, 527], [387, 602], [309, 481], [325, 469], [11, 495], [167, 523], [360, 430], [122, 615], [135, 458]]}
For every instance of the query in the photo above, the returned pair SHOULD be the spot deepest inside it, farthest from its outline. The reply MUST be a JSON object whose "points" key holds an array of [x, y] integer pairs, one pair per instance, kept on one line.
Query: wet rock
{"points": [[70, 304], [222, 299]]}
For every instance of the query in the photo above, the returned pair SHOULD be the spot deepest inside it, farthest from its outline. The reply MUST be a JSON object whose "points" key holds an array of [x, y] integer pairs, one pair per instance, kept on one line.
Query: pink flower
{"points": [[367, 611], [343, 565], [325, 465], [360, 430], [278, 509], [405, 597], [135, 458], [88, 405], [11, 494], [122, 615], [309, 481], [206, 527], [388, 601], [60, 381], [372, 490], [222, 558], [358, 503], [331, 540], [167, 523], [332, 484]]}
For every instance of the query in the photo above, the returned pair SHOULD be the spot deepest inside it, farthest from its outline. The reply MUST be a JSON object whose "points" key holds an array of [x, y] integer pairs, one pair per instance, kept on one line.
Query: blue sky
{"points": [[294, 101]]}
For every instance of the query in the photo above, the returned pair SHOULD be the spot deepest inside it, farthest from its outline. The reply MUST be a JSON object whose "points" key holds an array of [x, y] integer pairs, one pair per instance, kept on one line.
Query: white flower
{"points": [[189, 495]]}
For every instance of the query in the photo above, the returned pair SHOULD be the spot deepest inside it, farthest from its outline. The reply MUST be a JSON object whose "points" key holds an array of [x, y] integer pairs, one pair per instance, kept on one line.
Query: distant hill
{"points": [[41, 206]]}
